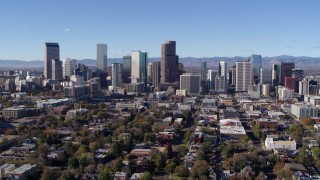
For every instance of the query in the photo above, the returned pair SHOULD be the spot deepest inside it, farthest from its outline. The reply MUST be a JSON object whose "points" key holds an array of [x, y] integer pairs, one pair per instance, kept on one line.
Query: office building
{"points": [[149, 73], [56, 70], [139, 67], [156, 71], [232, 76], [256, 61], [220, 84], [266, 90], [285, 93], [286, 70], [298, 74], [169, 63], [51, 52], [203, 70], [244, 75], [265, 76], [126, 69], [69, 66], [276, 74], [222, 69], [301, 110], [290, 82], [116, 75], [102, 57], [212, 79], [304, 87], [191, 83]]}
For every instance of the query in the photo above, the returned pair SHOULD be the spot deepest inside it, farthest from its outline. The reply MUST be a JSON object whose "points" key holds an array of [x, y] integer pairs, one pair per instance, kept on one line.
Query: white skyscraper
{"points": [[223, 69], [69, 65], [102, 57], [212, 78], [116, 75], [244, 75], [304, 87], [139, 67]]}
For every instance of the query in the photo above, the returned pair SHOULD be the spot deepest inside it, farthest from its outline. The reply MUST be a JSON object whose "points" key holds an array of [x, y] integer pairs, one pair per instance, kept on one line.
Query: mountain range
{"points": [[300, 61]]}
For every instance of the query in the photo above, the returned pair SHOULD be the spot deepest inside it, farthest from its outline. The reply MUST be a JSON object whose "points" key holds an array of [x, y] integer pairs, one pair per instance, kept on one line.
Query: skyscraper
{"points": [[191, 83], [276, 74], [156, 70], [256, 61], [212, 78], [139, 67], [203, 70], [286, 70], [244, 75], [223, 69], [290, 82], [126, 69], [102, 57], [116, 75], [169, 63], [56, 69], [52, 51], [69, 65]]}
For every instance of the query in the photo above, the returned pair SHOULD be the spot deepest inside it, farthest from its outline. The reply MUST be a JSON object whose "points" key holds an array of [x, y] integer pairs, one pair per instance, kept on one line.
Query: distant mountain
{"points": [[301, 61]]}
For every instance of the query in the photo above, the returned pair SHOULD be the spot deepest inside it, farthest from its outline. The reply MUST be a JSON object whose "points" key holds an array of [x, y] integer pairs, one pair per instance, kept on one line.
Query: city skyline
{"points": [[206, 29]]}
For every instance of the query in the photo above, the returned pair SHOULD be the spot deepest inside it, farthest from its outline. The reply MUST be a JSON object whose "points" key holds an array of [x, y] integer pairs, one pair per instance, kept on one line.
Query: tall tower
{"points": [[52, 51], [223, 69], [256, 61], [155, 76], [244, 75], [126, 69], [116, 75], [286, 70], [203, 70], [191, 83], [102, 57], [169, 63], [56, 70], [275, 74], [69, 65], [139, 67]]}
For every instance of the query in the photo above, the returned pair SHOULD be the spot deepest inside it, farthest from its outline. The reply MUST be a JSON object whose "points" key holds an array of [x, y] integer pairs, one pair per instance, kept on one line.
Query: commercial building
{"points": [[286, 70], [203, 70], [126, 69], [56, 70], [52, 51], [231, 129], [191, 83], [169, 63], [285, 93], [22, 172], [221, 84], [304, 87], [69, 66], [276, 74], [290, 82], [301, 110], [156, 73], [102, 57], [212, 79], [139, 67], [273, 142], [50, 103], [116, 75], [256, 61], [244, 75]]}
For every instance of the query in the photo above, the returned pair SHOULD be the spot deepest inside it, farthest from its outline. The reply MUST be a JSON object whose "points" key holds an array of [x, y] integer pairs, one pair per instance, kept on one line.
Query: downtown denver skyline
{"points": [[201, 29]]}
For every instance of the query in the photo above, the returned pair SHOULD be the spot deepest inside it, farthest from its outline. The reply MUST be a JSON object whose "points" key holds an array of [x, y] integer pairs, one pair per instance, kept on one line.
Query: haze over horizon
{"points": [[207, 29]]}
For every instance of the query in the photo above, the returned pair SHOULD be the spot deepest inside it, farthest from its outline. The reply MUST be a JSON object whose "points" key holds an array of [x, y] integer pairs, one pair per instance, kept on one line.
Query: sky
{"points": [[201, 28]]}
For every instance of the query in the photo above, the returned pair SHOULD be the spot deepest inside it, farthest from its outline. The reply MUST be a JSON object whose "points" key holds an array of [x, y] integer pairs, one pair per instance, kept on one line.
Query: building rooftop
{"points": [[231, 126], [23, 168]]}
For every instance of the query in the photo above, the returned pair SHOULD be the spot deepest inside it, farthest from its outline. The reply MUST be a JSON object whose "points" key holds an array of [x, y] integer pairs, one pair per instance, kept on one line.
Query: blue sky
{"points": [[202, 28]]}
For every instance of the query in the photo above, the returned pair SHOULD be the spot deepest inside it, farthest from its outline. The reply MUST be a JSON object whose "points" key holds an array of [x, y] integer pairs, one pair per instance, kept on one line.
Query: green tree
{"points": [[67, 175], [160, 160], [49, 174], [316, 153], [200, 155], [117, 165], [295, 131], [181, 171], [73, 163], [105, 174], [170, 167], [182, 150], [200, 169], [86, 159], [304, 156], [146, 176]]}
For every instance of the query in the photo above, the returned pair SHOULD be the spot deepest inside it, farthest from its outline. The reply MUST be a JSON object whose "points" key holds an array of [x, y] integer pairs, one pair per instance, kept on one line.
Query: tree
{"points": [[149, 137], [181, 171], [73, 163], [295, 131], [200, 155], [117, 165], [67, 175], [316, 153], [170, 167], [307, 122], [160, 160], [146, 176], [244, 139], [105, 174], [200, 169], [304, 156], [182, 150], [86, 159], [93, 146], [49, 174]]}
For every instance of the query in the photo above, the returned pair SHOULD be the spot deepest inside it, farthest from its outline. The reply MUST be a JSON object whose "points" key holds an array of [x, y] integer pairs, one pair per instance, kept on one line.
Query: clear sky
{"points": [[202, 28]]}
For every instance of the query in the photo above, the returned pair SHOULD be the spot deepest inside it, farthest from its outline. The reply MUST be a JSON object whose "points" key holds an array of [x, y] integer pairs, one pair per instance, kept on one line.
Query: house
{"points": [[136, 176], [23, 171], [141, 152], [120, 176]]}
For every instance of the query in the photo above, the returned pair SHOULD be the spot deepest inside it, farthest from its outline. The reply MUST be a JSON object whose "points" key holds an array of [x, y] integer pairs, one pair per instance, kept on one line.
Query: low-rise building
{"points": [[231, 129], [5, 168], [273, 142], [304, 110], [22, 172], [50, 103], [267, 123]]}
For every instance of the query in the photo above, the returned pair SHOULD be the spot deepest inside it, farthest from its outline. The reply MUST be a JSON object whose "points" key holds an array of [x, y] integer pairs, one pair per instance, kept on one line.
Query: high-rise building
{"points": [[286, 70], [276, 74], [56, 70], [69, 65], [149, 73], [169, 63], [304, 87], [298, 74], [139, 67], [203, 70], [232, 76], [212, 79], [256, 61], [116, 75], [290, 82], [221, 84], [191, 83], [244, 75], [52, 51], [102, 57], [156, 70], [223, 69], [126, 69]]}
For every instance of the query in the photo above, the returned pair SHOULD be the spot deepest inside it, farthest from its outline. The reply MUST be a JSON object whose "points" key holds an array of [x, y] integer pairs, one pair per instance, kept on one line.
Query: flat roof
{"points": [[231, 126]]}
